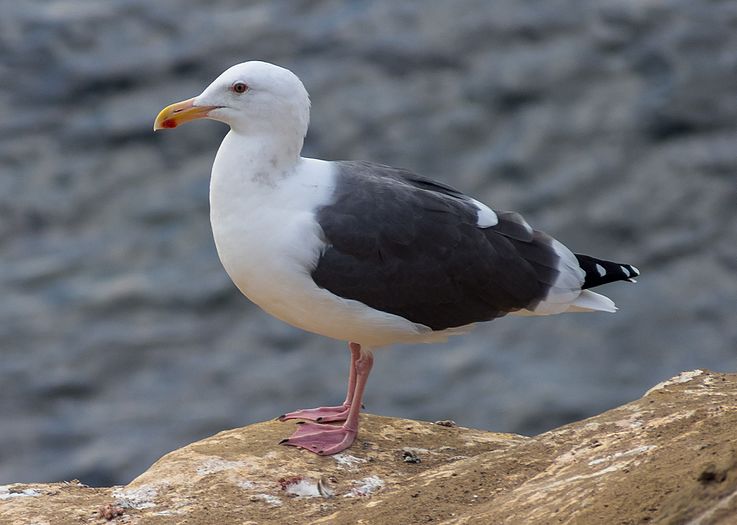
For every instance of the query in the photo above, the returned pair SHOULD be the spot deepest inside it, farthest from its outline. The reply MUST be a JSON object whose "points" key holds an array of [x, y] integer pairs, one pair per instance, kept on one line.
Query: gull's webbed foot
{"points": [[321, 439]]}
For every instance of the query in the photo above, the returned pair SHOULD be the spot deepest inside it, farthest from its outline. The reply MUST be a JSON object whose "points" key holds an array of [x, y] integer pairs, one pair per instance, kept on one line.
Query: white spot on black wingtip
{"points": [[625, 271], [600, 270], [631, 280], [635, 270]]}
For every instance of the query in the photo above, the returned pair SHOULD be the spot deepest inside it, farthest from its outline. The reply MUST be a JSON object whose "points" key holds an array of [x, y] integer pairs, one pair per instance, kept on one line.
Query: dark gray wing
{"points": [[410, 246]]}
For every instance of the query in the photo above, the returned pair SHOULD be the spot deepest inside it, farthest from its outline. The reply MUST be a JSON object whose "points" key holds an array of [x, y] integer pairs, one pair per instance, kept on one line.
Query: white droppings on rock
{"points": [[632, 422], [251, 485], [632, 452], [269, 499], [365, 487], [670, 418], [346, 460], [74, 483], [303, 488], [570, 456], [683, 377], [562, 482], [6, 492], [138, 498], [169, 512], [213, 464], [416, 450]]}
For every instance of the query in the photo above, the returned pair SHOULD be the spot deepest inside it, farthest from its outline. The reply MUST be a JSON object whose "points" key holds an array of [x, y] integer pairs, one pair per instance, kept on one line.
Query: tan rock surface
{"points": [[669, 457]]}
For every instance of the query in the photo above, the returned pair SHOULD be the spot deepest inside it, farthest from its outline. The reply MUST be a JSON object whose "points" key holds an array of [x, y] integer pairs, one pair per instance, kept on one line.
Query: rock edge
{"points": [[669, 457]]}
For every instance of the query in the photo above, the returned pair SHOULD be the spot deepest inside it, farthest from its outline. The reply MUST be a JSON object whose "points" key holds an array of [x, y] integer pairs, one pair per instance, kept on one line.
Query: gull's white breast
{"points": [[269, 242]]}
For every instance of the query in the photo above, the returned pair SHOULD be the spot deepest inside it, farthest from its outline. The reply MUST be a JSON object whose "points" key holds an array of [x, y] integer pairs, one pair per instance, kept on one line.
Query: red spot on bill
{"points": [[169, 123]]}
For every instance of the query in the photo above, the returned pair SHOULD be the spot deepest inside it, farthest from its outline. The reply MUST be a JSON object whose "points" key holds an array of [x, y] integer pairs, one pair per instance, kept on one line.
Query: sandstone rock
{"points": [[669, 457]]}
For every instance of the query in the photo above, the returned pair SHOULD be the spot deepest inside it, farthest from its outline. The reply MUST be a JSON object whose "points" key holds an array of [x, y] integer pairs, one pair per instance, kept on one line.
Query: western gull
{"points": [[361, 252]]}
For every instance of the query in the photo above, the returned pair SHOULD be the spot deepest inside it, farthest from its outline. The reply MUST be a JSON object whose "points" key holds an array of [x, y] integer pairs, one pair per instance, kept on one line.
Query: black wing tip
{"points": [[599, 271]]}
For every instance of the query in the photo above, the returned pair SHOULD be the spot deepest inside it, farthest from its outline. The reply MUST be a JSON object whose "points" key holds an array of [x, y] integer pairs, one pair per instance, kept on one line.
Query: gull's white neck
{"points": [[248, 175], [258, 159]]}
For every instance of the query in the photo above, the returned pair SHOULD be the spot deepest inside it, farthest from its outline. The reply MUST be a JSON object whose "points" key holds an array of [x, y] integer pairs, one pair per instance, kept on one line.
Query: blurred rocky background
{"points": [[610, 124]]}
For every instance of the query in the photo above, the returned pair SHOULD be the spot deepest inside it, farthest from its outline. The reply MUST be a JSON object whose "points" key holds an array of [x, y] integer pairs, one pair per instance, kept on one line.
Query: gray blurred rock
{"points": [[612, 125]]}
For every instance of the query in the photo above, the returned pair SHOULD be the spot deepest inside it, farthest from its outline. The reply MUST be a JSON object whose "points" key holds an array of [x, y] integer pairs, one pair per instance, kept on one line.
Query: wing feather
{"points": [[410, 246]]}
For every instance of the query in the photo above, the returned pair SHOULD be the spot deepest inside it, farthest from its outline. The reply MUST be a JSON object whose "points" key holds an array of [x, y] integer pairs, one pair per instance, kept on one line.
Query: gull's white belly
{"points": [[269, 241]]}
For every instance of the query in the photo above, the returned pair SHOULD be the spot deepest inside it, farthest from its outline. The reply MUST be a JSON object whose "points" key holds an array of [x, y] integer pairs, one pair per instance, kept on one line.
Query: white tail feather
{"points": [[590, 301], [587, 301]]}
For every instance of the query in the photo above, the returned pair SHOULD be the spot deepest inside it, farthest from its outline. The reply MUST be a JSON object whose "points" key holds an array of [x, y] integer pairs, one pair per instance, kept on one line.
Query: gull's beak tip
{"points": [[175, 114]]}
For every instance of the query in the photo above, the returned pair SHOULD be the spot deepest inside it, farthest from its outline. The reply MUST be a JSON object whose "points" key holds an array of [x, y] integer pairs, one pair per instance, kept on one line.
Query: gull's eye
{"points": [[239, 87]]}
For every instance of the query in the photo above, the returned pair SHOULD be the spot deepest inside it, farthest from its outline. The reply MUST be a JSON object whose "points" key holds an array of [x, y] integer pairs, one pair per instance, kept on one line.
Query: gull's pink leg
{"points": [[330, 439], [336, 413]]}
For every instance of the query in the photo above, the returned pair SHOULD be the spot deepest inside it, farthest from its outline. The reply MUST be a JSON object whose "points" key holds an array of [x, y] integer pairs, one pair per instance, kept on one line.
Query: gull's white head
{"points": [[252, 98]]}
